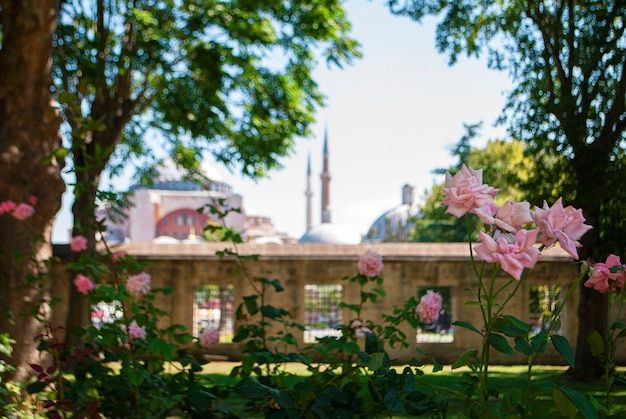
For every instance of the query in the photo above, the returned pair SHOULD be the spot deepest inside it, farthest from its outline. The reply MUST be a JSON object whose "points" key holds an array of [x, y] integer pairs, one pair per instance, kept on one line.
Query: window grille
{"points": [[544, 300], [322, 314], [213, 309]]}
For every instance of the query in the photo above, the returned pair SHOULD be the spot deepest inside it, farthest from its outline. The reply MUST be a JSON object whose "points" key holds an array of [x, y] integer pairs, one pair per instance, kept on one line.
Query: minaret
{"points": [[309, 194], [325, 176]]}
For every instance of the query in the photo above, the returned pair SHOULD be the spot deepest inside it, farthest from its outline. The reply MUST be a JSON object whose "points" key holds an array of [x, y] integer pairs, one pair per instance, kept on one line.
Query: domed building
{"points": [[395, 225], [167, 210], [326, 232]]}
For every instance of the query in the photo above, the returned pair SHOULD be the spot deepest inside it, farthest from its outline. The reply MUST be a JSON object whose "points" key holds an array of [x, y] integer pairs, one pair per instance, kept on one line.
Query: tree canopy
{"points": [[568, 62], [232, 78], [237, 74]]}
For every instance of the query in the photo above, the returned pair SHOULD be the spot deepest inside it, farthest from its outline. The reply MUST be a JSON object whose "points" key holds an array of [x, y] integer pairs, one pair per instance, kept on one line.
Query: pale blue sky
{"points": [[391, 117]]}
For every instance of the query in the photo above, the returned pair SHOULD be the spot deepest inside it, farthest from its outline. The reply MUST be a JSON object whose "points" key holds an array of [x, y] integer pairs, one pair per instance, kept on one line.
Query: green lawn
{"points": [[503, 378]]}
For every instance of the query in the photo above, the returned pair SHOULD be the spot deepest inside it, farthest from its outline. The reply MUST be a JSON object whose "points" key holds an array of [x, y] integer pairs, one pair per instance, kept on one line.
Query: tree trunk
{"points": [[592, 304], [78, 315], [29, 134]]}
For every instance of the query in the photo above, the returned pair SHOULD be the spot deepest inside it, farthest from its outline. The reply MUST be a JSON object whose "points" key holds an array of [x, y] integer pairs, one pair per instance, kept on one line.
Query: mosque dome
{"points": [[169, 176], [330, 234], [395, 224]]}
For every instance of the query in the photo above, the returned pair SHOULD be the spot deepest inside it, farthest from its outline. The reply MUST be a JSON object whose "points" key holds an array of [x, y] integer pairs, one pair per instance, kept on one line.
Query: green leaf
{"points": [[462, 360], [273, 312], [511, 326], [393, 402], [618, 325], [579, 402], [250, 388], [136, 378], [466, 326], [376, 361], [561, 344], [538, 342], [522, 345], [500, 344], [596, 343], [417, 403], [518, 323], [251, 304], [273, 282], [36, 387]]}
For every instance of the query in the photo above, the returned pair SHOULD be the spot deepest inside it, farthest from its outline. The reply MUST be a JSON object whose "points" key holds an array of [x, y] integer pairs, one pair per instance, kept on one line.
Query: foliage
{"points": [[566, 60], [234, 78], [354, 376], [132, 362]]}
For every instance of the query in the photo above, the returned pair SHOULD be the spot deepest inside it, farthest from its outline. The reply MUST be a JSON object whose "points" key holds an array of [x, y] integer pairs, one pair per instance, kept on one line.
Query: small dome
{"points": [[165, 240], [330, 234], [173, 178], [168, 171], [395, 225]]}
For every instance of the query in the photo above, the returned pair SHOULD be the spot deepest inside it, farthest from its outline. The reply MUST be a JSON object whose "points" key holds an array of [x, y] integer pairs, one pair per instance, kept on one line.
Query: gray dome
{"points": [[167, 170], [394, 225], [330, 234], [173, 178]]}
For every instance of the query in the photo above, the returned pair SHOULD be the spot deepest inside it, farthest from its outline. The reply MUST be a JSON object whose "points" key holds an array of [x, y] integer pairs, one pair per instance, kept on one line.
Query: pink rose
{"points": [[83, 284], [513, 253], [32, 199], [78, 243], [135, 331], [139, 284], [465, 192], [23, 211], [608, 276], [513, 215], [209, 338], [7, 206], [565, 225], [359, 328], [429, 307], [370, 264], [118, 256]]}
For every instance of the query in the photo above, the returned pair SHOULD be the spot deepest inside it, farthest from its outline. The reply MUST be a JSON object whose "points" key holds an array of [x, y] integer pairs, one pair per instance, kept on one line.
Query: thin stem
{"points": [[609, 356]]}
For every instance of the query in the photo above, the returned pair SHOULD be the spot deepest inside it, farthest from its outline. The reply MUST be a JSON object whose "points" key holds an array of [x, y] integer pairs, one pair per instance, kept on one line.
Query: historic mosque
{"points": [[392, 226], [166, 211]]}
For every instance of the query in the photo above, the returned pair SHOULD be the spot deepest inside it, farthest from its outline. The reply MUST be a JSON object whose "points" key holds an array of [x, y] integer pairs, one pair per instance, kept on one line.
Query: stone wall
{"points": [[406, 267]]}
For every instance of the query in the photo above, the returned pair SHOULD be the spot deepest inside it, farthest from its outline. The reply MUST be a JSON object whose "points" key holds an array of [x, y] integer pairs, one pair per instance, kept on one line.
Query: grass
{"points": [[503, 378]]}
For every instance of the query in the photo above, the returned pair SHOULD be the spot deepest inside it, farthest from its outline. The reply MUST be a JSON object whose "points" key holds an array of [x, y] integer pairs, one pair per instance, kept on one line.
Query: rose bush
{"points": [[513, 239], [132, 365]]}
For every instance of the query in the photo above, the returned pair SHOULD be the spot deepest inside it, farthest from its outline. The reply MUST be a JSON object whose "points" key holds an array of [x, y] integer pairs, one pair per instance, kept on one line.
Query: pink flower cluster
{"points": [[134, 330], [78, 243], [209, 338], [607, 276], [359, 328], [429, 307], [510, 244], [19, 211], [370, 264], [83, 284], [139, 284]]}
